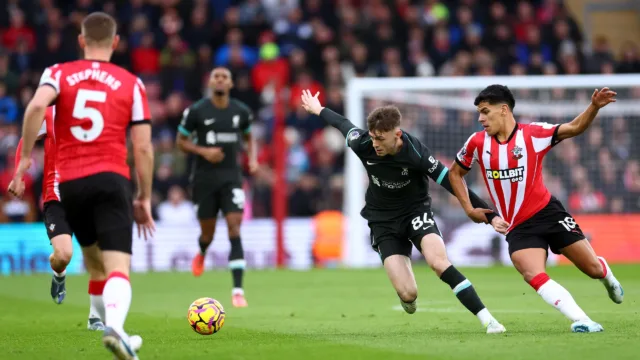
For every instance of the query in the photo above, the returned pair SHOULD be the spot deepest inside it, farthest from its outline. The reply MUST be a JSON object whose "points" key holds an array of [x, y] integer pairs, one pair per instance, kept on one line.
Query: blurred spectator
{"points": [[176, 210]]}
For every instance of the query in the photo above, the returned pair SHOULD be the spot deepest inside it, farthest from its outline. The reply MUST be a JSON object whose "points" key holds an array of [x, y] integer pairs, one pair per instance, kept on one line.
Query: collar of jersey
{"points": [[515, 129]]}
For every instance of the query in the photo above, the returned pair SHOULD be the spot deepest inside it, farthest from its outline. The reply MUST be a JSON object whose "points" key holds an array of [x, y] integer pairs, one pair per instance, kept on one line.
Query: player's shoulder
{"points": [[538, 129], [239, 105], [199, 104], [357, 139]]}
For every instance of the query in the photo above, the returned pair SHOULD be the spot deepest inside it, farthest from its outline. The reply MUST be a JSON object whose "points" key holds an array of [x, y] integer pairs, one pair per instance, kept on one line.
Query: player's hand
{"points": [[16, 187], [311, 103], [479, 215], [603, 97], [143, 218], [500, 225], [253, 166], [213, 155]]}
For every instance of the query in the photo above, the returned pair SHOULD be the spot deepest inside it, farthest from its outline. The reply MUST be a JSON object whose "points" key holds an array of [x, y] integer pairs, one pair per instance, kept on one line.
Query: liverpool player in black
{"points": [[398, 205], [214, 129]]}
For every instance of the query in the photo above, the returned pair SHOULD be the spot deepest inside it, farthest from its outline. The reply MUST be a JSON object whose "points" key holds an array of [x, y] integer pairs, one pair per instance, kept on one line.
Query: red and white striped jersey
{"points": [[96, 103], [51, 179], [513, 169]]}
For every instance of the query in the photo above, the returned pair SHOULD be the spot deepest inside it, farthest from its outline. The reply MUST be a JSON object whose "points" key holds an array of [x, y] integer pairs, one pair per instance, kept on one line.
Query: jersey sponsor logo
{"points": [[224, 138], [208, 122], [94, 74], [517, 153], [515, 174], [435, 164], [393, 185]]}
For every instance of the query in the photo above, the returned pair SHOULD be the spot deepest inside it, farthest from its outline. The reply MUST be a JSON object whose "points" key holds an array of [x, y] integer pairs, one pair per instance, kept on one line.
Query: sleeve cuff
{"points": [[462, 165], [183, 131]]}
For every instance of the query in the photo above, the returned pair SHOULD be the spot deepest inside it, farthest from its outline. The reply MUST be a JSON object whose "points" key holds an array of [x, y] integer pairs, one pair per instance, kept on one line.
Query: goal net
{"points": [[596, 176]]}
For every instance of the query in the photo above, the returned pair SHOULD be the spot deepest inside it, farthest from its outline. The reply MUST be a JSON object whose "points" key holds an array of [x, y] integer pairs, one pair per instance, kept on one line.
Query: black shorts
{"points": [[209, 198], [100, 210], [396, 237], [55, 219], [552, 227]]}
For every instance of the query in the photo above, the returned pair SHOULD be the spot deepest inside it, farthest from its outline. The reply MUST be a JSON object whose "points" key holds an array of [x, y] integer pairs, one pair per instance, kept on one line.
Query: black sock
{"points": [[203, 246], [463, 289], [236, 262]]}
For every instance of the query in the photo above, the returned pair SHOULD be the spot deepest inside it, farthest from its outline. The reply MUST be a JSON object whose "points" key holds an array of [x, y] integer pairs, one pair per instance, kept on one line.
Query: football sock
{"points": [[203, 246], [117, 299], [236, 262], [557, 296], [96, 309], [608, 277], [60, 275], [466, 294]]}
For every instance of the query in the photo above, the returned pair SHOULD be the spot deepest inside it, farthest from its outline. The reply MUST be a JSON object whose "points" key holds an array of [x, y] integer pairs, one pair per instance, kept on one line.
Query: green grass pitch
{"points": [[326, 314]]}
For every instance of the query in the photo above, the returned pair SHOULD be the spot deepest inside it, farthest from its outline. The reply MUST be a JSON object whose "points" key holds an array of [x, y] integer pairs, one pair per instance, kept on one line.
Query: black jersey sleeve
{"points": [[434, 169], [246, 119], [188, 123], [353, 135]]}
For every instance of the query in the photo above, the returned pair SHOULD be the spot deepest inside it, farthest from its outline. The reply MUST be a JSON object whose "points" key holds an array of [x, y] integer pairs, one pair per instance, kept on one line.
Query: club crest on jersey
{"points": [[513, 175], [517, 152], [236, 121], [354, 134], [405, 172]]}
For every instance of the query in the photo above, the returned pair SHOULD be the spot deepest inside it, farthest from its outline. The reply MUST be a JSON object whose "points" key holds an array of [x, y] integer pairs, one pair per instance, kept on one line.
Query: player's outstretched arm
{"points": [[311, 104], [581, 123]]}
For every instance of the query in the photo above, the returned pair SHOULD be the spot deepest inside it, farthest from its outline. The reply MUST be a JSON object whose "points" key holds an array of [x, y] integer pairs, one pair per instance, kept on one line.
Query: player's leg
{"points": [[584, 257], [97, 279], [529, 256], [113, 219], [207, 212], [432, 248], [60, 237], [395, 256], [232, 204]]}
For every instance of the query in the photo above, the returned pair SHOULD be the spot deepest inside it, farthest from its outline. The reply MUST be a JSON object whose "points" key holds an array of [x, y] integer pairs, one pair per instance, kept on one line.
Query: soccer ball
{"points": [[206, 316]]}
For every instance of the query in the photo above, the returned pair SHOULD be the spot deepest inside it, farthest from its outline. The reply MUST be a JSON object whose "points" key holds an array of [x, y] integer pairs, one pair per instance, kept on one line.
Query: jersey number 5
{"points": [[82, 111]]}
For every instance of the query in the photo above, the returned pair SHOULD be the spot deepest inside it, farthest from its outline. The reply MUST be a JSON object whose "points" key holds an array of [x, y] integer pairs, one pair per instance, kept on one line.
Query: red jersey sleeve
{"points": [[140, 109], [51, 77], [468, 154], [543, 136]]}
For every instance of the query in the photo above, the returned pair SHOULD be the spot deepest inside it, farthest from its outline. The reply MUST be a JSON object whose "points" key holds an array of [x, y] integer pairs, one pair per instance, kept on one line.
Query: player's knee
{"points": [[528, 275], [234, 231], [63, 255], [408, 294]]}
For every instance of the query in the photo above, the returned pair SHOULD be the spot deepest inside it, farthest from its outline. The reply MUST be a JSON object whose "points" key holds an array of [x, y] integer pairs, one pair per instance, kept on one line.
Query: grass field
{"points": [[326, 314]]}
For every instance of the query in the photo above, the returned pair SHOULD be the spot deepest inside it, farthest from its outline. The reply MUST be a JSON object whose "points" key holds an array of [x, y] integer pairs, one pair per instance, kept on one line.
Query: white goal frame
{"points": [[355, 248]]}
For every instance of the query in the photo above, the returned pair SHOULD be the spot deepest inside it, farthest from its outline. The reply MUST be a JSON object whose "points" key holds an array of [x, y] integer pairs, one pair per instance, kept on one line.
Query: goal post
{"points": [[445, 104]]}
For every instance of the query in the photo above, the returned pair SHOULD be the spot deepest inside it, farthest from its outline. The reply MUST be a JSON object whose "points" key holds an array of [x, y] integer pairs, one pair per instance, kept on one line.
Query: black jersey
{"points": [[397, 183], [221, 127]]}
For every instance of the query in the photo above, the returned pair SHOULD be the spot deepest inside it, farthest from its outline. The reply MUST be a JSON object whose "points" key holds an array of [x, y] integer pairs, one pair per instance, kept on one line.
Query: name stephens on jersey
{"points": [[94, 74]]}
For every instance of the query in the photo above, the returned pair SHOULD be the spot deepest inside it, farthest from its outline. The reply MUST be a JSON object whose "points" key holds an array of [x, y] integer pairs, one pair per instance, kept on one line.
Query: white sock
{"points": [[96, 308], [484, 316], [237, 291], [117, 299], [608, 277], [557, 296], [57, 274]]}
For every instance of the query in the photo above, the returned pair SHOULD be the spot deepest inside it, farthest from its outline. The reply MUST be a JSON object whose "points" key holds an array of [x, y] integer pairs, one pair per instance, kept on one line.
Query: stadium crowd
{"points": [[172, 45]]}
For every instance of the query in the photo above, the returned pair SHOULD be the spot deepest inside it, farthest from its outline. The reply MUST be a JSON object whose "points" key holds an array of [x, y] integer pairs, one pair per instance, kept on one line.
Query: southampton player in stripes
{"points": [[58, 229], [510, 155], [398, 205]]}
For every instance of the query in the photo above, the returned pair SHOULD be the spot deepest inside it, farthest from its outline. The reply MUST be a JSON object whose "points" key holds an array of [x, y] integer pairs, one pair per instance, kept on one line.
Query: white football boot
{"points": [[586, 326], [494, 327], [616, 293]]}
